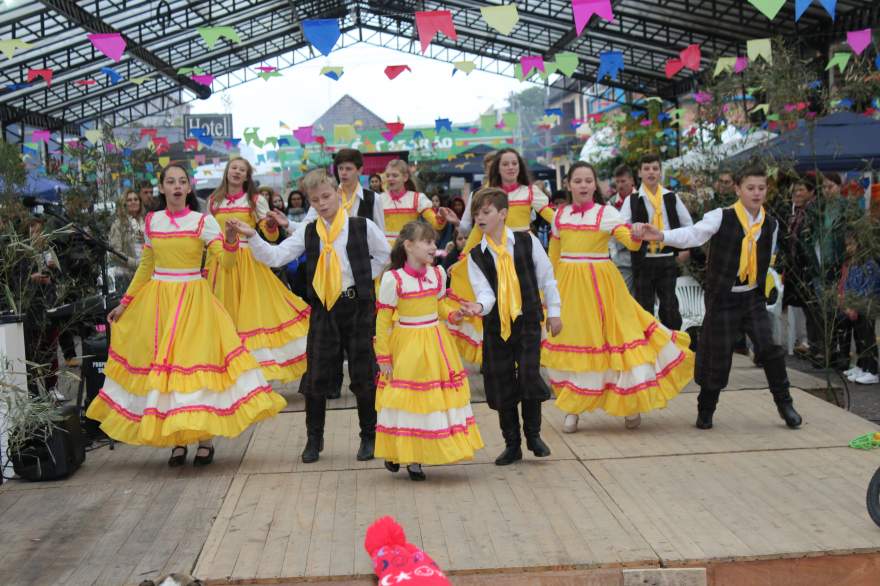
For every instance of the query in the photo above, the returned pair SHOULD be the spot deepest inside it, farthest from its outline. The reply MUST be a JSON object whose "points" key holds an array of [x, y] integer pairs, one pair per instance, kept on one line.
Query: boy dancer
{"points": [[343, 257], [507, 271], [654, 266], [742, 239]]}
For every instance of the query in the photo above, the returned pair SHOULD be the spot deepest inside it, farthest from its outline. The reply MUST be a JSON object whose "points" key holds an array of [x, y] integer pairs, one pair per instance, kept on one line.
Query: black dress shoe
{"points": [[337, 394], [704, 419], [791, 417], [415, 472], [510, 455], [203, 460], [179, 459], [365, 451], [538, 447], [313, 448], [391, 466]]}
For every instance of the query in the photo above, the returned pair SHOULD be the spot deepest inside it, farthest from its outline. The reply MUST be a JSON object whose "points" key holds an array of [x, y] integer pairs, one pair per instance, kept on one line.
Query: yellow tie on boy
{"points": [[509, 298], [656, 199], [328, 273], [748, 253]]}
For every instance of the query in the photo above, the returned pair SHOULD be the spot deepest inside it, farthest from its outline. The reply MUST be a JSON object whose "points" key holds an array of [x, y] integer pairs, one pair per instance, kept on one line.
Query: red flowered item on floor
{"points": [[396, 561]]}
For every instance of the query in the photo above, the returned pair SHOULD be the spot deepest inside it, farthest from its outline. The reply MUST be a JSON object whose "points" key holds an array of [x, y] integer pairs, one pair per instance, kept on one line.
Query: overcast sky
{"points": [[419, 97]]}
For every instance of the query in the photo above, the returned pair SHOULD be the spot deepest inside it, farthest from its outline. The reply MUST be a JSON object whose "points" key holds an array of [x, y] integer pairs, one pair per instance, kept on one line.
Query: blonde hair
{"points": [[220, 194], [403, 167], [316, 178], [121, 207]]}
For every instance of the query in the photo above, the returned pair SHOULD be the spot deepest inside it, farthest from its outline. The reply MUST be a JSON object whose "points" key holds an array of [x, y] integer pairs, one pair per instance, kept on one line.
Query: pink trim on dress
{"points": [[465, 337], [598, 293], [250, 333], [188, 409], [455, 381], [425, 433], [613, 387], [141, 370], [286, 363], [601, 349]]}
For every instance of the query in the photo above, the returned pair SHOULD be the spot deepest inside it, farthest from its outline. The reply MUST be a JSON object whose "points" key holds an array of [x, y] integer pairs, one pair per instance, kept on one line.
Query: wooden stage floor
{"points": [[609, 505]]}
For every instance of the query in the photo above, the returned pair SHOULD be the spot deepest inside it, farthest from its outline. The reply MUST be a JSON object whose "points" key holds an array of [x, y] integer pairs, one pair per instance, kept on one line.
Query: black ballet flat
{"points": [[203, 460], [391, 466], [415, 472], [179, 460]]}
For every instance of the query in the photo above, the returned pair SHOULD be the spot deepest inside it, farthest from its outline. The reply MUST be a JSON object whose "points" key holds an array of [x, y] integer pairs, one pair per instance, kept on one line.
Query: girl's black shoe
{"points": [[204, 460], [391, 466], [175, 461], [415, 472]]}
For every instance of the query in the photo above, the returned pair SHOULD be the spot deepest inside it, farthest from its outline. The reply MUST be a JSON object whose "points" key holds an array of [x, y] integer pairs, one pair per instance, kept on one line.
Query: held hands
{"points": [[455, 317], [278, 219], [471, 309], [114, 315], [647, 232], [385, 369], [234, 226], [554, 325], [448, 215]]}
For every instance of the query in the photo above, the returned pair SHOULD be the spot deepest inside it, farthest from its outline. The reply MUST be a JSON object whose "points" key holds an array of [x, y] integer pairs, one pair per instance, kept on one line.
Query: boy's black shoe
{"points": [[365, 451], [704, 419], [510, 455], [312, 451], [538, 447], [792, 418]]}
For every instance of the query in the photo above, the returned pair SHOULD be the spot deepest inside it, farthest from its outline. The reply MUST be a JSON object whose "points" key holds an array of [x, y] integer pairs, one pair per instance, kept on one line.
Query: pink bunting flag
{"points": [[394, 128], [702, 97], [741, 64], [673, 66], [646, 122], [110, 44], [304, 134], [200, 159], [530, 62], [41, 135], [387, 135], [151, 132], [859, 40], [161, 144], [191, 144], [430, 23], [110, 147], [46, 74], [501, 125], [690, 57], [583, 10], [266, 68], [203, 79], [392, 71], [85, 82]]}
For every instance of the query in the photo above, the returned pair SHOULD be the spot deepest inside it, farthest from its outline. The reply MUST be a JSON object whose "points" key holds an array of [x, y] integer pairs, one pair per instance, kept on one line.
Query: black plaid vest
{"points": [[525, 271], [639, 213], [724, 250], [358, 257], [365, 209]]}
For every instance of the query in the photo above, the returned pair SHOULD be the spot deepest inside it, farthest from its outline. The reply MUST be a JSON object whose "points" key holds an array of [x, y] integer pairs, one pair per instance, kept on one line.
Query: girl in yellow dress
{"points": [[403, 204], [272, 321], [423, 397], [506, 170], [619, 358], [177, 372]]}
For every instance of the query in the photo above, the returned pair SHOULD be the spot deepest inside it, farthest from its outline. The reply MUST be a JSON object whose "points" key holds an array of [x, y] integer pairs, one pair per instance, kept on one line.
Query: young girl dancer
{"points": [[272, 321], [177, 372], [507, 170], [619, 358], [403, 204], [423, 397]]}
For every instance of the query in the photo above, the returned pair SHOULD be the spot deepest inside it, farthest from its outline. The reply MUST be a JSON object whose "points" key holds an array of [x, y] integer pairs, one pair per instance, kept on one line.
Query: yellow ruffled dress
{"points": [[402, 208], [468, 334], [611, 353], [424, 409], [177, 372], [272, 320]]}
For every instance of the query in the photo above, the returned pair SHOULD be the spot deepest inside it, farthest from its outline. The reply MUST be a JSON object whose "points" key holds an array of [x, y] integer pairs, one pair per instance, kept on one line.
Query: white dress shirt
{"points": [[702, 231], [294, 246], [466, 222], [684, 217], [543, 271], [620, 254], [378, 213]]}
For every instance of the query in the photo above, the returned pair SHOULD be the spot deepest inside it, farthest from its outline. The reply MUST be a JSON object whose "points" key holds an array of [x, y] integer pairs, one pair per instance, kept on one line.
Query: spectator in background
{"points": [[376, 183], [625, 185], [277, 203], [725, 190], [127, 238], [458, 206], [453, 251], [297, 206], [447, 233], [149, 200]]}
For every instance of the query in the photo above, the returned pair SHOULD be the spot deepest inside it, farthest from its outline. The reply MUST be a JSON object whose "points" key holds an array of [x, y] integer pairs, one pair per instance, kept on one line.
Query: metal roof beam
{"points": [[11, 114], [91, 23]]}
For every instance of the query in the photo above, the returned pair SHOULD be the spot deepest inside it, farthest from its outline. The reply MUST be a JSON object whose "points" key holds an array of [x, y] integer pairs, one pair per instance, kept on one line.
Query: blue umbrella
{"points": [[41, 187]]}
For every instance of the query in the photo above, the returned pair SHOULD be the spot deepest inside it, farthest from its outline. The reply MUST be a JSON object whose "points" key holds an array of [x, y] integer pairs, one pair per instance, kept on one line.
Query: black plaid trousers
{"points": [[656, 277]]}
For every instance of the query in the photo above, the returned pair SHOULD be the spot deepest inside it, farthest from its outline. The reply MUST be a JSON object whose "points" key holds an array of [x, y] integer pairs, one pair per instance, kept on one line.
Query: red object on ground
{"points": [[396, 561]]}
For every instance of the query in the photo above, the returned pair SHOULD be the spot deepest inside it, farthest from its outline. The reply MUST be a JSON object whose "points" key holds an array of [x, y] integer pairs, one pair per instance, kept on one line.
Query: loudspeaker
{"points": [[95, 353], [59, 456]]}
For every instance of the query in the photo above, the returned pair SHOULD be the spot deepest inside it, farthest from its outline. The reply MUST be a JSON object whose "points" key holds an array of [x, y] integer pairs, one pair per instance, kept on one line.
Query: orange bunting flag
{"points": [[433, 22]]}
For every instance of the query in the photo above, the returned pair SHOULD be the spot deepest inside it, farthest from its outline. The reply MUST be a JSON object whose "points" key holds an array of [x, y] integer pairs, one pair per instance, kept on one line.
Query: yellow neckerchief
{"points": [[327, 280], [656, 199], [748, 252], [347, 198], [509, 298]]}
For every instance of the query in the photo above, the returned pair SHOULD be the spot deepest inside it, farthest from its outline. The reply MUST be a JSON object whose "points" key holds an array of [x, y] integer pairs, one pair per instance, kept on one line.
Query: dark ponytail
{"points": [[192, 202]]}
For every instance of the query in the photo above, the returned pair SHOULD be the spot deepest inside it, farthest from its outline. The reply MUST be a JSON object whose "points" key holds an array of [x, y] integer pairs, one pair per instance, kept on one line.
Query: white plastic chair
{"points": [[691, 302], [776, 309]]}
